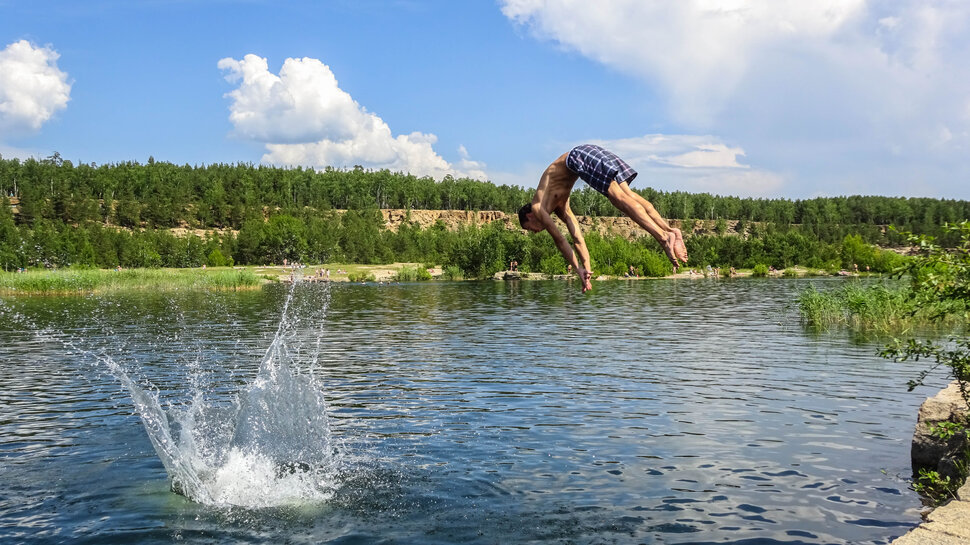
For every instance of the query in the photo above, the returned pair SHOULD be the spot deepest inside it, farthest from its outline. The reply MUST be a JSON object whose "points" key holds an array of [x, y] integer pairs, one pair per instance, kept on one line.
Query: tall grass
{"points": [[66, 281], [876, 308]]}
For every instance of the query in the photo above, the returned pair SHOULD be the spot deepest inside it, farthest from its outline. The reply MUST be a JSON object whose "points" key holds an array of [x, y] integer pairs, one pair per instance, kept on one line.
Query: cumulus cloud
{"points": [[841, 80], [303, 117], [32, 89], [698, 50]]}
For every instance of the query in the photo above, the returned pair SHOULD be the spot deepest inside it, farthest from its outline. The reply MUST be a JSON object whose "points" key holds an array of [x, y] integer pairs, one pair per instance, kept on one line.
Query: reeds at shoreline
{"points": [[879, 309], [68, 281]]}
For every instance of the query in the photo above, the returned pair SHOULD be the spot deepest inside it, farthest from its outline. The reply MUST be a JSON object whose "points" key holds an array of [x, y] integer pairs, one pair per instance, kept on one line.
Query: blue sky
{"points": [[736, 97]]}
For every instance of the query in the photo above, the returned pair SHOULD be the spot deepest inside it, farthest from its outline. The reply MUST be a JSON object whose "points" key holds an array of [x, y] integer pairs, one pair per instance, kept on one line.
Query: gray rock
{"points": [[931, 452]]}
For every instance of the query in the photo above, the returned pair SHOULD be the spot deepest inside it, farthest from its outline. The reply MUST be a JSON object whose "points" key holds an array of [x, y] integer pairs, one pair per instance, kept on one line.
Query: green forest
{"points": [[105, 216]]}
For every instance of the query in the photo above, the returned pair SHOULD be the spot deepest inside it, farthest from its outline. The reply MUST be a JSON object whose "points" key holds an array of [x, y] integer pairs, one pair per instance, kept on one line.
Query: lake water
{"points": [[671, 411]]}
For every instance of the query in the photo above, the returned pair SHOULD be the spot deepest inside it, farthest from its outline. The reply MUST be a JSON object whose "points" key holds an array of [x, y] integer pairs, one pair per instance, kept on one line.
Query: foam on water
{"points": [[273, 446]]}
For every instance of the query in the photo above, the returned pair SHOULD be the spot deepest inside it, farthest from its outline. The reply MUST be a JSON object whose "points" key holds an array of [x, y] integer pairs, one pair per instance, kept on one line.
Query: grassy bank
{"points": [[70, 281], [66, 281], [880, 309]]}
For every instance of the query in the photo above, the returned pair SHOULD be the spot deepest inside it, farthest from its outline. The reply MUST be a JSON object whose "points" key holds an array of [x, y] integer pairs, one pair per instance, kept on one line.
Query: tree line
{"points": [[164, 195], [359, 236], [120, 215]]}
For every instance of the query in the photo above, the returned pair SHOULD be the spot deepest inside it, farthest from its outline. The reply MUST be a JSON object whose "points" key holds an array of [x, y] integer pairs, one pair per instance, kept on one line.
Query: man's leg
{"points": [[635, 211], [680, 248]]}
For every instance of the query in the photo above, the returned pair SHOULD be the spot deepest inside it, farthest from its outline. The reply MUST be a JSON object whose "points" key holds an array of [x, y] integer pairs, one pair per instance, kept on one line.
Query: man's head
{"points": [[527, 219]]}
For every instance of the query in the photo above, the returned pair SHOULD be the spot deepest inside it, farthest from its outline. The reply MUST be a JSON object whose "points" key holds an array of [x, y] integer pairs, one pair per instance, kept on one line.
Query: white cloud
{"points": [[473, 169], [32, 89], [698, 50], [825, 87], [715, 155], [304, 118]]}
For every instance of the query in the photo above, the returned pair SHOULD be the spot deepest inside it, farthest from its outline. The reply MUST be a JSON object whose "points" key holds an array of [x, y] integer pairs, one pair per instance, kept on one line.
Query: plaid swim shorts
{"points": [[598, 167]]}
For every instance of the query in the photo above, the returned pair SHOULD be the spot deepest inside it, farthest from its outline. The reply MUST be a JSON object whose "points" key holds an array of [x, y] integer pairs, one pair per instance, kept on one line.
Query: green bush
{"points": [[937, 488], [216, 259], [721, 226], [615, 255], [482, 252], [452, 272], [413, 273], [759, 270], [655, 264], [361, 277], [940, 286], [552, 264], [856, 252]]}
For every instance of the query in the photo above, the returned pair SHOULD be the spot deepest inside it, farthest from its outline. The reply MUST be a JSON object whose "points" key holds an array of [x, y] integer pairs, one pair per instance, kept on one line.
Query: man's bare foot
{"points": [[669, 245], [679, 248]]}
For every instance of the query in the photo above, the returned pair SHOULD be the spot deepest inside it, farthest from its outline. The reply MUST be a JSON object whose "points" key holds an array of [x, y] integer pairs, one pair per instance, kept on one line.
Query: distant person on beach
{"points": [[611, 176]]}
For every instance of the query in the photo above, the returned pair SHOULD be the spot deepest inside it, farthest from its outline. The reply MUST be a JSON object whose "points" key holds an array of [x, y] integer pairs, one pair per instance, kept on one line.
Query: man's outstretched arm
{"points": [[563, 245], [585, 271]]}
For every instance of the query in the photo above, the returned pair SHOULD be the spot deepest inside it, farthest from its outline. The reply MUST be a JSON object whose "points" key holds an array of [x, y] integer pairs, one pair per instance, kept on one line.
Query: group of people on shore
{"points": [[855, 270], [712, 272], [321, 275]]}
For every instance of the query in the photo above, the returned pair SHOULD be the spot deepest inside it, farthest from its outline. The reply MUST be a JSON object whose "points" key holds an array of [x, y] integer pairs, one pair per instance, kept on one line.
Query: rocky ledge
{"points": [[948, 524]]}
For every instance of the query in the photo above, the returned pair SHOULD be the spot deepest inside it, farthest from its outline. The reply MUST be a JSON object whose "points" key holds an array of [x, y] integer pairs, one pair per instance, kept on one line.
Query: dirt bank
{"points": [[604, 225]]}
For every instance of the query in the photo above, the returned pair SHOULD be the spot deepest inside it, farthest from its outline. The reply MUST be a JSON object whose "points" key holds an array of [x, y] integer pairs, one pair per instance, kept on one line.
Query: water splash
{"points": [[273, 446], [269, 445]]}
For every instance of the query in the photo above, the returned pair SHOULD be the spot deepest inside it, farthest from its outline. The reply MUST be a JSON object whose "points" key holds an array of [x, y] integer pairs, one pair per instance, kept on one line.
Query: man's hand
{"points": [[586, 278]]}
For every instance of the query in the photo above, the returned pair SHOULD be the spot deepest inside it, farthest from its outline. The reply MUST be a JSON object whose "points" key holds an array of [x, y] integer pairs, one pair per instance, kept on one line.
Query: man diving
{"points": [[611, 176]]}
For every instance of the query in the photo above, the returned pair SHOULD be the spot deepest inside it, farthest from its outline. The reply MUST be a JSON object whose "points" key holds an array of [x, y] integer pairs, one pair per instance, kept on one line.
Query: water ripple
{"points": [[660, 412]]}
